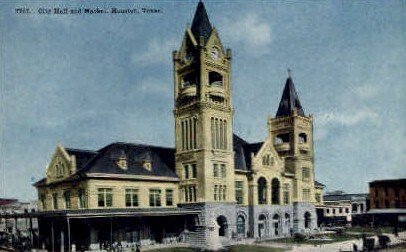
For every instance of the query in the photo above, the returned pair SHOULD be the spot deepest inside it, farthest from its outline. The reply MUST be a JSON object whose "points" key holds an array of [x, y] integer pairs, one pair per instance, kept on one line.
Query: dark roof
{"points": [[289, 100], [162, 160], [389, 182], [340, 197], [317, 183], [104, 161], [201, 26], [4, 201], [243, 151], [82, 156]]}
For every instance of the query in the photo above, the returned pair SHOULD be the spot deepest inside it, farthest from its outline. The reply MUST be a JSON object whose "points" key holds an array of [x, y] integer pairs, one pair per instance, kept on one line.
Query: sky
{"points": [[85, 81]]}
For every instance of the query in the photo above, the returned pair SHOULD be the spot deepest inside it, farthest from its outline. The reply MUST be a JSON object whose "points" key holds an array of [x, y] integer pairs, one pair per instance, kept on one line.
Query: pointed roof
{"points": [[289, 100], [201, 26]]}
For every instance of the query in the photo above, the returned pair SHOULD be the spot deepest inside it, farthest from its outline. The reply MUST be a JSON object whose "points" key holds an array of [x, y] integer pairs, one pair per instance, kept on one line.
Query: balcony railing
{"points": [[283, 147]]}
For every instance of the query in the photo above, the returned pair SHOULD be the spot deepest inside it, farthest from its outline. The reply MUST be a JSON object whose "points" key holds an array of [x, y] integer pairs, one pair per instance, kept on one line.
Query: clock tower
{"points": [[203, 119], [203, 114]]}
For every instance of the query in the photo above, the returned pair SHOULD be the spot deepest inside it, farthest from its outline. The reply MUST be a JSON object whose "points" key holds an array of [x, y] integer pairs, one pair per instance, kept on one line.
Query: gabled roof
{"points": [[82, 156], [243, 151], [201, 26], [318, 184], [289, 100]]}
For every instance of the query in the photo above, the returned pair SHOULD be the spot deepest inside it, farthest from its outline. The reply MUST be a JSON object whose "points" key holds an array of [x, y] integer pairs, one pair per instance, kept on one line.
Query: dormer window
{"points": [[147, 165], [215, 79], [122, 161]]}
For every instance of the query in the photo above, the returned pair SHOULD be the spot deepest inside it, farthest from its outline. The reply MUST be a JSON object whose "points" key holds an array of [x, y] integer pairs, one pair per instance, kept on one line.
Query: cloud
{"points": [[326, 121], [366, 91], [156, 52], [252, 31], [348, 119], [154, 85]]}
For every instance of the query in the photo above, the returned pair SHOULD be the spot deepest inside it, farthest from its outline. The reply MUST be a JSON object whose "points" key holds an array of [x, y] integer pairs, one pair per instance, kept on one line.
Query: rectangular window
{"points": [[239, 192], [286, 194], [194, 171], [169, 197], [82, 198], [66, 197], [216, 193], [213, 134], [183, 135], [305, 173], [131, 197], [55, 201], [43, 201], [215, 171], [105, 197], [154, 197], [186, 171], [306, 194], [223, 170]]}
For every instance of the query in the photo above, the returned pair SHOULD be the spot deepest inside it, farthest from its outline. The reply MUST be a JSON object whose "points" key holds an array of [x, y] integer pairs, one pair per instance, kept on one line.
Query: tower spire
{"points": [[290, 100], [201, 26]]}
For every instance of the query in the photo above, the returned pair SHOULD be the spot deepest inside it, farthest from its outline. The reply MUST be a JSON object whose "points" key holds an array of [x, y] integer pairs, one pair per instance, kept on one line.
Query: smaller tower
{"points": [[292, 132]]}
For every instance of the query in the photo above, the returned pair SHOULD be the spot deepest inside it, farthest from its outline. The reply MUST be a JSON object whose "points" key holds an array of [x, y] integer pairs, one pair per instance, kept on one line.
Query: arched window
{"points": [[302, 138], [241, 226], [262, 188], [282, 138], [215, 79], [275, 191], [189, 80]]}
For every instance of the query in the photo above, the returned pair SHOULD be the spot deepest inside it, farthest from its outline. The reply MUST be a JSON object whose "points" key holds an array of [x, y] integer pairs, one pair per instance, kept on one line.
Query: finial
{"points": [[289, 73]]}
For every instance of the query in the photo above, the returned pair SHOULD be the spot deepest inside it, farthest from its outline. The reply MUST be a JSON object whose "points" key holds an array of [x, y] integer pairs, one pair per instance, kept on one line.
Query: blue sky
{"points": [[88, 80]]}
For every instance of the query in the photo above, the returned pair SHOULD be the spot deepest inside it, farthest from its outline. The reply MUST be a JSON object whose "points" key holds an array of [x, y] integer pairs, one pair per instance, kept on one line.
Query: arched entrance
{"points": [[276, 225], [287, 224], [222, 222], [307, 217], [262, 226], [241, 226]]}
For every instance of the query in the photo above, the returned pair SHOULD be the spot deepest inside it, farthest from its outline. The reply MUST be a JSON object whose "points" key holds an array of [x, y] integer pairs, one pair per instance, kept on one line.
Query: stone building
{"points": [[388, 202], [340, 208], [211, 188]]}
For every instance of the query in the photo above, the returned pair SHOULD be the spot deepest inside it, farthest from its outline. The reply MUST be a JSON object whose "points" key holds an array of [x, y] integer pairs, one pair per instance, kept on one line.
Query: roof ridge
{"points": [[82, 150]]}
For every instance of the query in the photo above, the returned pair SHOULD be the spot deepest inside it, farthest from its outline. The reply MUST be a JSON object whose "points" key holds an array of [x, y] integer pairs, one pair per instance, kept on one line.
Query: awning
{"points": [[117, 212]]}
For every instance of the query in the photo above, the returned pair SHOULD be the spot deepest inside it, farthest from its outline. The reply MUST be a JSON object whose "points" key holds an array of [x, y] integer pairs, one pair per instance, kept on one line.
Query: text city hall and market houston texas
{"points": [[213, 183]]}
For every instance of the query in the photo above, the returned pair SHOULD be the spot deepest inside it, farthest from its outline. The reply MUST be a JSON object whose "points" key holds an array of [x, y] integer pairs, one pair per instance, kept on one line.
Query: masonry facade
{"points": [[213, 183]]}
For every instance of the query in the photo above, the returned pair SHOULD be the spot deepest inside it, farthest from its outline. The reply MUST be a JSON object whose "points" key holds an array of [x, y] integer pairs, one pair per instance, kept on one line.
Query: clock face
{"points": [[215, 54]]}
